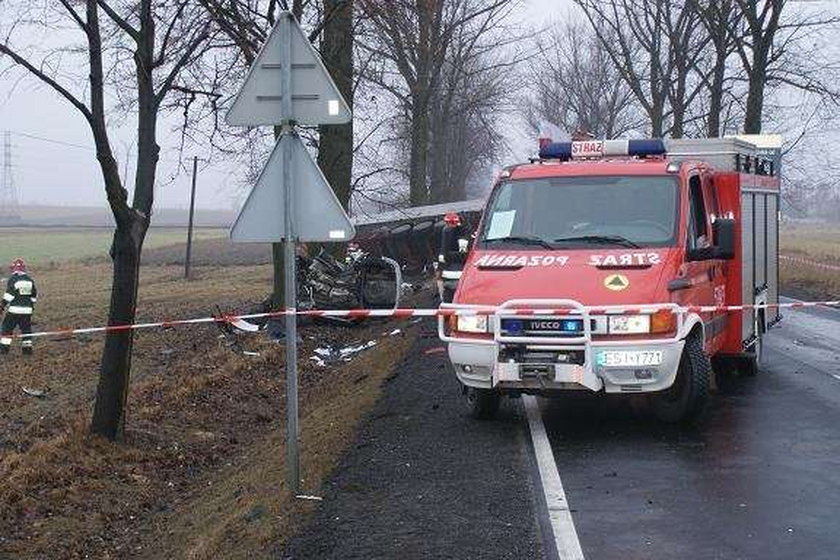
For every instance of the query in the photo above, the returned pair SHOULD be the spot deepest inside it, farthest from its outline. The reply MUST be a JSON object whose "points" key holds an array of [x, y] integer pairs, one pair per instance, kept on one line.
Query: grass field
{"points": [[45, 246], [817, 242], [820, 243]]}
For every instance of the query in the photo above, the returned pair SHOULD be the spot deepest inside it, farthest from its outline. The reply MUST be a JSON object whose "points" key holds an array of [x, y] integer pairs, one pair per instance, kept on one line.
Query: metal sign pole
{"points": [[321, 217], [292, 456]]}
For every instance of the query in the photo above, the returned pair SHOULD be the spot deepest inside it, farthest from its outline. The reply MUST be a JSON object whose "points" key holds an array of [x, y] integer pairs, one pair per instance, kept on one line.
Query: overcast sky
{"points": [[53, 158]]}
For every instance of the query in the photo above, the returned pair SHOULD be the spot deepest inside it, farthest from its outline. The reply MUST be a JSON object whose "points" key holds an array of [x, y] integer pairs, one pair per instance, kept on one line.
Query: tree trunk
{"points": [[755, 98], [713, 128], [420, 98], [335, 148], [438, 180], [418, 193], [678, 127], [115, 369], [657, 121]]}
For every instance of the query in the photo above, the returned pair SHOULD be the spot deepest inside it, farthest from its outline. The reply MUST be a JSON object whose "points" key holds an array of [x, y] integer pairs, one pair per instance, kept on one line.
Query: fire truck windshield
{"points": [[576, 212]]}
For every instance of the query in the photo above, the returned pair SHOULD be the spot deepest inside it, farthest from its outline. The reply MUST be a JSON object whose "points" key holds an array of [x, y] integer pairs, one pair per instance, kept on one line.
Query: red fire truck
{"points": [[589, 263]]}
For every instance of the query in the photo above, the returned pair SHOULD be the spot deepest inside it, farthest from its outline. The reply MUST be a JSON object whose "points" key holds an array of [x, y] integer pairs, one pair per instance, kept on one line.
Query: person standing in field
{"points": [[20, 297]]}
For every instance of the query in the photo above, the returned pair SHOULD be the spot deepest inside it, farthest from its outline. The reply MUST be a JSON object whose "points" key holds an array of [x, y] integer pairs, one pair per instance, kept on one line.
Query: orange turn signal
{"points": [[663, 321]]}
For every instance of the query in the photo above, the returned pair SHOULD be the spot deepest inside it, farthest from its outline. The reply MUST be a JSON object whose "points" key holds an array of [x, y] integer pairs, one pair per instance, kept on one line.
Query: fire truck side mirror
{"points": [[723, 232], [724, 236]]}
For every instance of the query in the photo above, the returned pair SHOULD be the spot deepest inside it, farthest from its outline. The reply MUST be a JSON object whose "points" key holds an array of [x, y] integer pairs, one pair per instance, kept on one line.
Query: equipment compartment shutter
{"points": [[772, 255], [761, 230], [748, 280]]}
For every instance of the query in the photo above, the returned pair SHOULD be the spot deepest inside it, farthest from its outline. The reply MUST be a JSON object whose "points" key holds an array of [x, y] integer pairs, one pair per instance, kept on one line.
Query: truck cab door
{"points": [[700, 272], [707, 281]]}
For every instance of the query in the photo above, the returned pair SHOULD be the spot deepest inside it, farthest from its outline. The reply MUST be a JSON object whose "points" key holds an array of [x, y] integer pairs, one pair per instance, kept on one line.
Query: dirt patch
{"points": [[201, 472]]}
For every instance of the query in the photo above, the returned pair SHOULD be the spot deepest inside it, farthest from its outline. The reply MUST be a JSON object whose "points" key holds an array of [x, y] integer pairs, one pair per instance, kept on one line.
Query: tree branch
{"points": [[74, 14], [4, 49], [123, 24], [184, 59]]}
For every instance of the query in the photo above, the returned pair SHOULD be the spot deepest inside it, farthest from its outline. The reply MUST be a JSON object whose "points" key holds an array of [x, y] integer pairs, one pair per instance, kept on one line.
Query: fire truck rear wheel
{"points": [[482, 404], [686, 400]]}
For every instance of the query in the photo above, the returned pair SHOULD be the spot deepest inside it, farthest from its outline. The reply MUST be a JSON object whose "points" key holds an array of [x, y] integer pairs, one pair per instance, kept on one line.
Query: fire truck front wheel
{"points": [[686, 400], [482, 404]]}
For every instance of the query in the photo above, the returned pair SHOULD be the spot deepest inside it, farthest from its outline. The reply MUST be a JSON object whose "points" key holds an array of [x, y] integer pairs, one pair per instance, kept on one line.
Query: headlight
{"points": [[629, 324], [473, 323]]}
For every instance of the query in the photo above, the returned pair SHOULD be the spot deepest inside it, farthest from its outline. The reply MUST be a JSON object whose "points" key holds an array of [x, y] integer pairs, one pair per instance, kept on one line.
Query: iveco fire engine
{"points": [[607, 265]]}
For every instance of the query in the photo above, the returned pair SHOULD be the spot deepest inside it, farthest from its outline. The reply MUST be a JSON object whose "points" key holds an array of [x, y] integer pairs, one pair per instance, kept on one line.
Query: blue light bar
{"points": [[644, 148], [602, 148], [556, 150]]}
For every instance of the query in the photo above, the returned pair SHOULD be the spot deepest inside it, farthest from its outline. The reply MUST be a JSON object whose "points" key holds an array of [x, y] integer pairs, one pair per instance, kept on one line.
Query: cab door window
{"points": [[698, 235]]}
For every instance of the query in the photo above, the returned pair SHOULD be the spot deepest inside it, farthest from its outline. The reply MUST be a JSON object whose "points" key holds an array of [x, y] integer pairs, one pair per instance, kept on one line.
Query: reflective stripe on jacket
{"points": [[21, 294]]}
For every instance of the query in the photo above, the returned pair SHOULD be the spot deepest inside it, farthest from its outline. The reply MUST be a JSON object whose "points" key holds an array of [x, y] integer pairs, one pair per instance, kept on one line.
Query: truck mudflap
{"points": [[569, 362]]}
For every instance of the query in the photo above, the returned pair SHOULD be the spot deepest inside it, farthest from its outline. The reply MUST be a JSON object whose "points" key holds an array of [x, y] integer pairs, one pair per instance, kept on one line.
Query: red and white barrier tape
{"points": [[442, 312], [809, 262]]}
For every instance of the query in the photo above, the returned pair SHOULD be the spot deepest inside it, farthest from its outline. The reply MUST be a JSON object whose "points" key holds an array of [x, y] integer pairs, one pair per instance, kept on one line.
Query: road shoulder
{"points": [[424, 481]]}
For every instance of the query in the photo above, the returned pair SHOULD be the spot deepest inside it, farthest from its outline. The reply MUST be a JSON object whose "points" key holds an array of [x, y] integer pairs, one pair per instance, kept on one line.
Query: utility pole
{"points": [[9, 209], [192, 217]]}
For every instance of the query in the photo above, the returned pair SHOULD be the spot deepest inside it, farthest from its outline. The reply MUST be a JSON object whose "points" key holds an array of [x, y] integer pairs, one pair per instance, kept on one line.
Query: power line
{"points": [[181, 161], [52, 141]]}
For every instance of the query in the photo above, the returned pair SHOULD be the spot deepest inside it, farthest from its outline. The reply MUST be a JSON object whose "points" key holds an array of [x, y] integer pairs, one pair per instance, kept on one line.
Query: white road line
{"points": [[835, 376], [565, 535]]}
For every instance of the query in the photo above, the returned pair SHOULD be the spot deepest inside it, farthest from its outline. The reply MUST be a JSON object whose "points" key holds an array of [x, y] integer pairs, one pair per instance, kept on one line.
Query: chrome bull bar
{"points": [[554, 308]]}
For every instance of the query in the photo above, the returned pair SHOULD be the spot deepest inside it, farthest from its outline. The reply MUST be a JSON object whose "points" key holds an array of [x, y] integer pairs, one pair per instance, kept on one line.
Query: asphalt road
{"points": [[760, 479], [425, 481]]}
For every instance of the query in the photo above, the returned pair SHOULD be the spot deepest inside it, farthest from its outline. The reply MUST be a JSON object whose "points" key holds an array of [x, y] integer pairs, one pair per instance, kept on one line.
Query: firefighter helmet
{"points": [[18, 265], [452, 219]]}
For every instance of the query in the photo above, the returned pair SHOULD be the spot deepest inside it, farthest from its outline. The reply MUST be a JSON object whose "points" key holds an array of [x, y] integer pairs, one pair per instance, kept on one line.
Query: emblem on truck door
{"points": [[616, 282]]}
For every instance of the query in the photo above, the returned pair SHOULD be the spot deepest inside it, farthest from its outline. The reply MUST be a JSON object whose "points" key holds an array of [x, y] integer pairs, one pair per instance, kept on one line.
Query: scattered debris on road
{"points": [[334, 354], [312, 498]]}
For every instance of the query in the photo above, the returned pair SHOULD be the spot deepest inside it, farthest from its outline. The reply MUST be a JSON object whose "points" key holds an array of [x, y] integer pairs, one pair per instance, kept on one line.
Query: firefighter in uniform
{"points": [[20, 298], [451, 256]]}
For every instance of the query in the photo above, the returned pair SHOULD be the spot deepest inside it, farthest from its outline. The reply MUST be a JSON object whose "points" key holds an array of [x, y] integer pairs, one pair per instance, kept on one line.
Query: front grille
{"points": [[548, 327]]}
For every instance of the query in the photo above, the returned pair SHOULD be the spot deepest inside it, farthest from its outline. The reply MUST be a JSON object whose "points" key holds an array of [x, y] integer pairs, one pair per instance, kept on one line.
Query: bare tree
{"points": [[335, 142], [410, 39], [720, 20], [477, 84], [161, 39], [655, 45], [754, 47], [577, 87], [776, 46]]}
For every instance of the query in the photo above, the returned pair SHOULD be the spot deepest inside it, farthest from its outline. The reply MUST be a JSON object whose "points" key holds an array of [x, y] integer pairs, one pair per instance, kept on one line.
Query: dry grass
{"points": [[200, 474], [817, 243]]}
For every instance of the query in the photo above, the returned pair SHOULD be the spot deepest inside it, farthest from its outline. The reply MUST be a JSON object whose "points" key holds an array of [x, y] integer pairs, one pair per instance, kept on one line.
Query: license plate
{"points": [[630, 358]]}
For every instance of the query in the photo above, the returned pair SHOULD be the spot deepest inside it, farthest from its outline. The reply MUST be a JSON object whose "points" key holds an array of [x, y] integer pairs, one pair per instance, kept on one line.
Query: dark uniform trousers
{"points": [[10, 322]]}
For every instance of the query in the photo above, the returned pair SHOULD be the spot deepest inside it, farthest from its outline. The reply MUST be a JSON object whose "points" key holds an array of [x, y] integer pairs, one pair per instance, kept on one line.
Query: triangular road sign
{"points": [[315, 98], [318, 216]]}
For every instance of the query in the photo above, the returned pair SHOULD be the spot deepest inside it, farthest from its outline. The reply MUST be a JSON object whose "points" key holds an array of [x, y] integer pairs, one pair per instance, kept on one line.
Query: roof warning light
{"points": [[601, 148]]}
